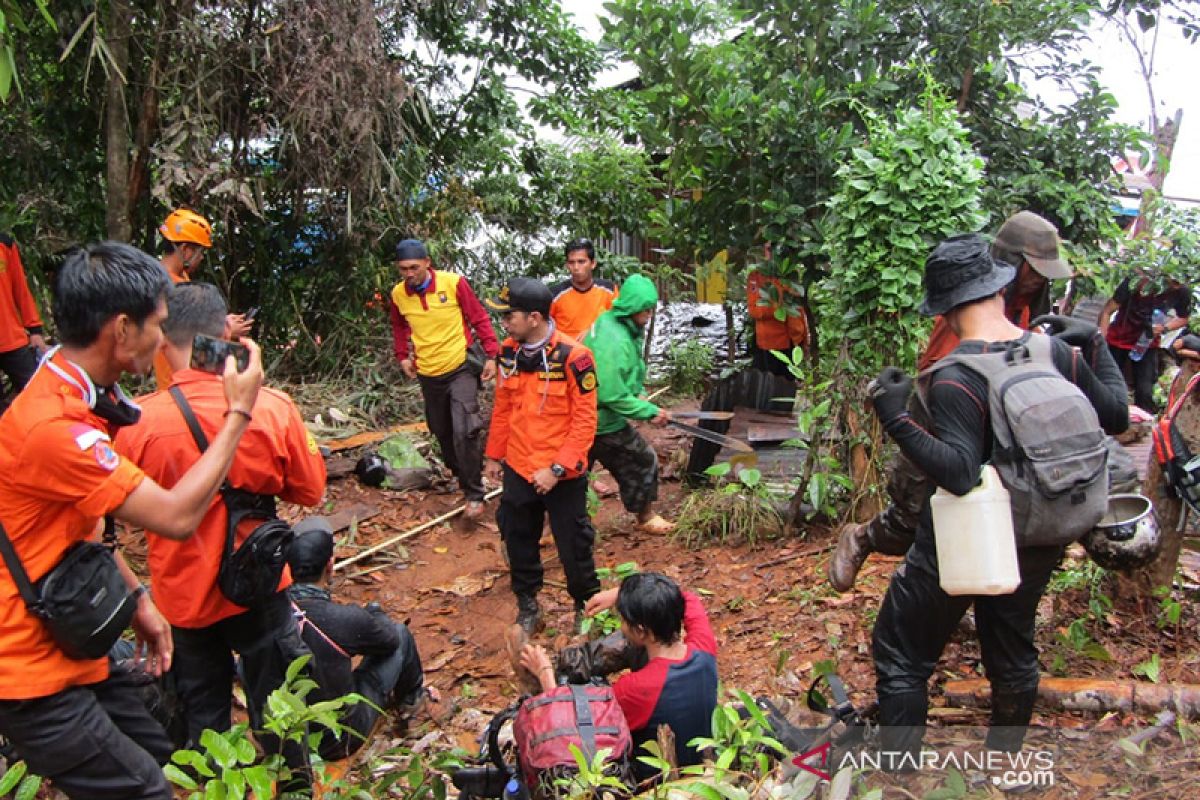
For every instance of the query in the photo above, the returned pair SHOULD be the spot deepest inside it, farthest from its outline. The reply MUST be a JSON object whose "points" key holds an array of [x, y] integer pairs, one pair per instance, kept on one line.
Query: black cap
{"points": [[959, 270], [311, 549], [523, 294]]}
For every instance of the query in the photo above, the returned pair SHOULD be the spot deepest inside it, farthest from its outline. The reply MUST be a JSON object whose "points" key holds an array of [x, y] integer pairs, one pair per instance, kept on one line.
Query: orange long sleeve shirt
{"points": [[547, 416], [18, 312], [276, 456]]}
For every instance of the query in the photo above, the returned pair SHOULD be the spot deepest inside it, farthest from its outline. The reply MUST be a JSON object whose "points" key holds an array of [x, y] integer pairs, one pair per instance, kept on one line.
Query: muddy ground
{"points": [[775, 618]]}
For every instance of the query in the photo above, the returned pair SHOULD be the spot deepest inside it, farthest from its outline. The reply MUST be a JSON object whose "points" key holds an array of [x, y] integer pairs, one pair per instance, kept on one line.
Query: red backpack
{"points": [[546, 725]]}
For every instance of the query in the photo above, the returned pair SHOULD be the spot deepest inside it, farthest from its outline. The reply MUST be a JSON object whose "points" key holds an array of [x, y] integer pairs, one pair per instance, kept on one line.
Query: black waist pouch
{"points": [[83, 602], [250, 573]]}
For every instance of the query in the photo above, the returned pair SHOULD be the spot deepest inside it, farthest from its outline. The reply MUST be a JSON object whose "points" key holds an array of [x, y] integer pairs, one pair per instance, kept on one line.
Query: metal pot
{"points": [[1127, 536]]}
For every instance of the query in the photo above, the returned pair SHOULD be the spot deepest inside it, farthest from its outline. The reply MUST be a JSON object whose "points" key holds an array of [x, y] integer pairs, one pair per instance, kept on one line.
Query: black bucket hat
{"points": [[959, 270]]}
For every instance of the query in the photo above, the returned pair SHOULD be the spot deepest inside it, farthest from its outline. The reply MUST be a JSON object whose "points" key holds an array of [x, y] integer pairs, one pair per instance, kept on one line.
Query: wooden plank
{"points": [[763, 434], [339, 467], [344, 518], [371, 437]]}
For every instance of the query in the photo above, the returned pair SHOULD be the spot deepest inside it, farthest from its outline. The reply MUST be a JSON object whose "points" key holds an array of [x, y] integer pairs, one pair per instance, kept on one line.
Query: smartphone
{"points": [[251, 314], [208, 354]]}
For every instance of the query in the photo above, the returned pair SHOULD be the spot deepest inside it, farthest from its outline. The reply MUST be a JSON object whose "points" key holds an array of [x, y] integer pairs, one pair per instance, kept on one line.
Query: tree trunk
{"points": [[116, 123], [1167, 506], [1089, 694]]}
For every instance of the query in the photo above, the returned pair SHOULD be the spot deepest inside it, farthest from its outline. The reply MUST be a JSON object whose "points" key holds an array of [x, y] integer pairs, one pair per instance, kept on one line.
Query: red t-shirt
{"points": [[276, 456], [61, 476], [681, 692]]}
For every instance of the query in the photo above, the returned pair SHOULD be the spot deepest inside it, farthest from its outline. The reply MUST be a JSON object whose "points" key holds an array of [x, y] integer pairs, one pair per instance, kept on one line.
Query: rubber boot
{"points": [[529, 613], [902, 730], [1011, 712]]}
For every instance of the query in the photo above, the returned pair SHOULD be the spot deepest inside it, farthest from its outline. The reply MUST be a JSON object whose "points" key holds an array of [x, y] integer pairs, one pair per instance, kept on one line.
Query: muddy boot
{"points": [[529, 614], [515, 640], [853, 547], [1011, 712]]}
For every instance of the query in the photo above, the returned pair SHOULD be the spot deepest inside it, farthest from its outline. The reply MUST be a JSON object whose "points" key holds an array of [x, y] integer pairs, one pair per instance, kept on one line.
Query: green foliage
{"points": [[1171, 253], [689, 365], [1151, 670], [607, 621], [742, 746], [916, 181], [227, 765], [738, 509], [591, 777], [1170, 610], [17, 779]]}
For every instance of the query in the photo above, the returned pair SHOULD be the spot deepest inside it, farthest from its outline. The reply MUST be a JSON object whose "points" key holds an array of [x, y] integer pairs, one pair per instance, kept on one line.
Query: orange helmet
{"points": [[183, 225]]}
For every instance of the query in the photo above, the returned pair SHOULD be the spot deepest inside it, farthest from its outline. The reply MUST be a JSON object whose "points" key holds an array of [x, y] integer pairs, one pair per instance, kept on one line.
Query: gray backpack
{"points": [[1049, 448]]}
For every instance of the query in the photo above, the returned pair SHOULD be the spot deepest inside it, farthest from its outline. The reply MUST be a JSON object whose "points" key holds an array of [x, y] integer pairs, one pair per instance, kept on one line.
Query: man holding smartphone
{"points": [[444, 319], [277, 457], [82, 723]]}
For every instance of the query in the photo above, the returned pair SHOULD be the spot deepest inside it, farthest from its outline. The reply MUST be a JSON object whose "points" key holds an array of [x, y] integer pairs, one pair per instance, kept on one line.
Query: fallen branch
{"points": [[1085, 694], [808, 551], [1164, 721], [424, 526]]}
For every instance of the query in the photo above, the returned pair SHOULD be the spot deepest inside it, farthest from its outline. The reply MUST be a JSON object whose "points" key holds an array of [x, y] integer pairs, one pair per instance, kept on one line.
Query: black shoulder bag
{"points": [[83, 602], [249, 574]]}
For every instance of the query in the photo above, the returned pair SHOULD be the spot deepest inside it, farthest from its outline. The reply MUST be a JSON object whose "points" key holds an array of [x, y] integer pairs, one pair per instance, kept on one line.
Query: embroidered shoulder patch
{"points": [[106, 457], [585, 373]]}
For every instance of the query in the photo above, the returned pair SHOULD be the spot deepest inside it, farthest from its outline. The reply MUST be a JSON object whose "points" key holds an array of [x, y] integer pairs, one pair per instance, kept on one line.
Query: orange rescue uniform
{"points": [[162, 369], [61, 477], [771, 333], [18, 313], [547, 416], [574, 311], [276, 456]]}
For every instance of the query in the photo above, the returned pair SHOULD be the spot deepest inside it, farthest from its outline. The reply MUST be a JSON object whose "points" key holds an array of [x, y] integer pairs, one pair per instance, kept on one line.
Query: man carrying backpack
{"points": [[1030, 246], [964, 283]]}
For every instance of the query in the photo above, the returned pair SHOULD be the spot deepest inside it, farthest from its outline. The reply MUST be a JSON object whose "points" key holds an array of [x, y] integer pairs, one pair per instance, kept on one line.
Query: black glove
{"points": [[889, 393], [1074, 332]]}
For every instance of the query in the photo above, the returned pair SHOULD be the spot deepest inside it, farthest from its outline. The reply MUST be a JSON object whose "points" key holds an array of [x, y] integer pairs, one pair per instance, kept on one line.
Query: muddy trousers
{"points": [[384, 680], [916, 620], [19, 365], [452, 413], [1144, 374], [520, 517], [268, 640], [632, 462], [93, 742]]}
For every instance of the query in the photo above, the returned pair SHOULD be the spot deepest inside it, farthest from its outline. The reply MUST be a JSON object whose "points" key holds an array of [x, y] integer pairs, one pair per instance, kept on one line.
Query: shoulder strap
{"points": [[189, 417], [302, 621], [584, 721], [19, 575]]}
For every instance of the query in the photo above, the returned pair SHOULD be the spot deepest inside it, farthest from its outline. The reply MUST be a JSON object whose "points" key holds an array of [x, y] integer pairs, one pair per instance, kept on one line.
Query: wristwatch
{"points": [[558, 470]]}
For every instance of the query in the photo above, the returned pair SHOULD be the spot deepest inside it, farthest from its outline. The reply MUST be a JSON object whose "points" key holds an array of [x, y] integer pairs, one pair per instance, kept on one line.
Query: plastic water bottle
{"points": [[515, 790], [1143, 343]]}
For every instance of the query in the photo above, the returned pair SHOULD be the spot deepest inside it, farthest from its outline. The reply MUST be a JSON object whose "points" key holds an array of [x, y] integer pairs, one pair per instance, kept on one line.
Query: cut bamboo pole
{"points": [[424, 526]]}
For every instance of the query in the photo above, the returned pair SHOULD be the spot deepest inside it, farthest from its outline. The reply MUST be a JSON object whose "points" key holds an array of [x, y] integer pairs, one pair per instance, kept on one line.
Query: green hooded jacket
{"points": [[616, 344]]}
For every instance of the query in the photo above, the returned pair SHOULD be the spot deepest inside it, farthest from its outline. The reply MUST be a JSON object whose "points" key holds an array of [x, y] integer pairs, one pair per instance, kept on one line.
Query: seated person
{"points": [[389, 675], [678, 684]]}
